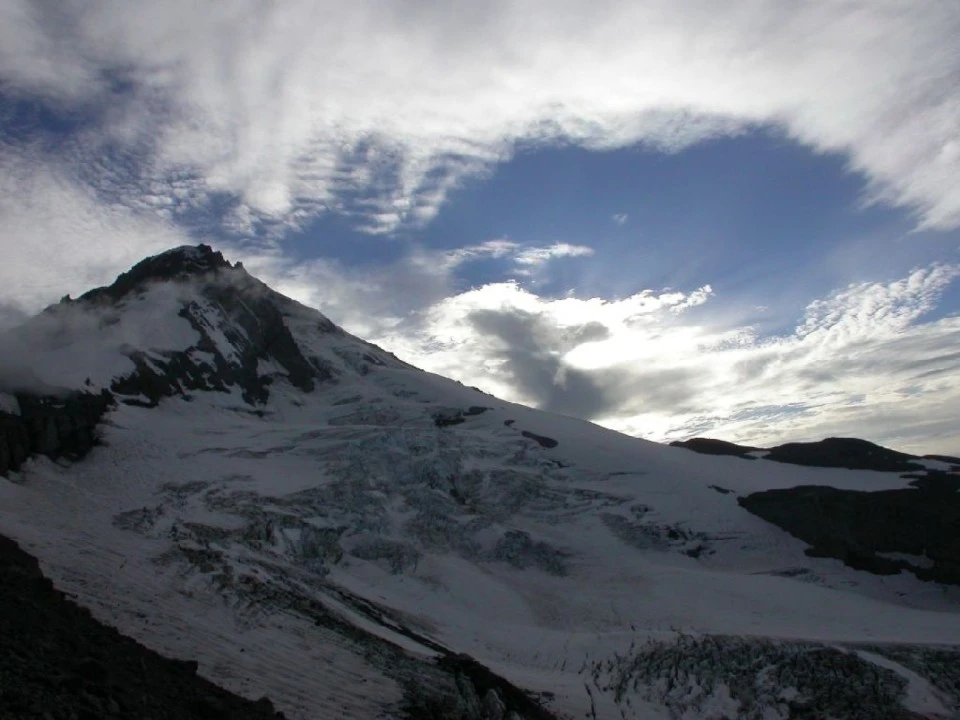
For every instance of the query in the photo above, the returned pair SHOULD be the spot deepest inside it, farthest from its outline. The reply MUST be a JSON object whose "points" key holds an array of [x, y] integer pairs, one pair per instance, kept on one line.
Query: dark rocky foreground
{"points": [[58, 663]]}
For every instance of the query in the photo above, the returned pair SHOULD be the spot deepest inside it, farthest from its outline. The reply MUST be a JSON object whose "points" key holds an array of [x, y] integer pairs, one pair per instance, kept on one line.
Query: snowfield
{"points": [[326, 547]]}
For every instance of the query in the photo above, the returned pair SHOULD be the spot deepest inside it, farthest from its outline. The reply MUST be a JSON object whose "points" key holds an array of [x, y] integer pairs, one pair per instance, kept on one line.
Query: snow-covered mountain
{"points": [[313, 520]]}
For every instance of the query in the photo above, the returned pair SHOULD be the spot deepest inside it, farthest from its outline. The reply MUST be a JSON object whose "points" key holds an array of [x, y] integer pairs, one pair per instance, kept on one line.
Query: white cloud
{"points": [[536, 256], [859, 362], [301, 106], [620, 218], [57, 237], [297, 108], [372, 303], [526, 259]]}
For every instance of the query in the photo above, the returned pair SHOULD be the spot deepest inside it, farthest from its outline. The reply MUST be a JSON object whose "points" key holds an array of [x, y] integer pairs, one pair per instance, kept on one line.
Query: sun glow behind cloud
{"points": [[641, 366]]}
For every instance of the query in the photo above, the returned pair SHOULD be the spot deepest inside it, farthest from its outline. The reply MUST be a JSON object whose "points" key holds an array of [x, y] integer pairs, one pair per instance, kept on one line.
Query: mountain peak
{"points": [[180, 322], [173, 264]]}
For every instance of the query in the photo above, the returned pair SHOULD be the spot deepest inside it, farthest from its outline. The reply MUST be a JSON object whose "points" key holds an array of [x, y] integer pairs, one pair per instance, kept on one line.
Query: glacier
{"points": [[313, 520]]}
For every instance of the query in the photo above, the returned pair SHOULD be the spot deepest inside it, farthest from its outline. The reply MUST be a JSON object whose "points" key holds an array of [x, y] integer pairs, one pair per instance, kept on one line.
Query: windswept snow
{"points": [[73, 343]]}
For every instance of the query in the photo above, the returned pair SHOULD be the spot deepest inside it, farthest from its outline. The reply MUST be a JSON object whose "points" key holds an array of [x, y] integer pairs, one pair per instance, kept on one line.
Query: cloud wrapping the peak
{"points": [[380, 111], [57, 237]]}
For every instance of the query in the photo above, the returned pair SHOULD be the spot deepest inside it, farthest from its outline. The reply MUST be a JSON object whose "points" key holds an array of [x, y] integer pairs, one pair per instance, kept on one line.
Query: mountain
{"points": [[227, 477], [915, 528], [849, 453]]}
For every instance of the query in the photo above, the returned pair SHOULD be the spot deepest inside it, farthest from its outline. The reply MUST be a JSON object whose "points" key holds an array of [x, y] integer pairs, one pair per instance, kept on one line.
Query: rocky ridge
{"points": [[54, 426]]}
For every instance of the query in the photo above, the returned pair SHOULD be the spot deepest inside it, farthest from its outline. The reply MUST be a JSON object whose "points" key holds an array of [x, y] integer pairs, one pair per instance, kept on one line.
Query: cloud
{"points": [[154, 123], [620, 219], [291, 109], [863, 361], [526, 259], [373, 302], [11, 315], [517, 344], [533, 257], [57, 236]]}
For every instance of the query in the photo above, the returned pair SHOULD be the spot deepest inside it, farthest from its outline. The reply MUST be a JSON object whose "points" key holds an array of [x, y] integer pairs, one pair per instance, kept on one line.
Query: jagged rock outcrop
{"points": [[52, 426], [175, 264]]}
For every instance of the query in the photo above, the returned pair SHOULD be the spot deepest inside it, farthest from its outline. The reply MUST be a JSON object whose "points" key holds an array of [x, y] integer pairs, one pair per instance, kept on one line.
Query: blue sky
{"points": [[662, 220]]}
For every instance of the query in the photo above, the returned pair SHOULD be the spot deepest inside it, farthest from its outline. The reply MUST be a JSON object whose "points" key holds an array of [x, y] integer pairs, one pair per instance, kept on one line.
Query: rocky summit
{"points": [[238, 509]]}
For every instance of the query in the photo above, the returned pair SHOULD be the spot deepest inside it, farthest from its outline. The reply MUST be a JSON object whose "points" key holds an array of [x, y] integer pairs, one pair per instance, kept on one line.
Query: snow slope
{"points": [[324, 547]]}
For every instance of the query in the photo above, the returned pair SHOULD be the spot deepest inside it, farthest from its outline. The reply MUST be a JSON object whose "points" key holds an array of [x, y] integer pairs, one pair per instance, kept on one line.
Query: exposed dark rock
{"points": [[448, 418], [248, 306], [721, 490], [52, 426], [175, 264], [541, 439], [711, 446], [451, 416], [936, 482], [56, 661], [850, 453], [855, 526], [249, 317], [949, 459]]}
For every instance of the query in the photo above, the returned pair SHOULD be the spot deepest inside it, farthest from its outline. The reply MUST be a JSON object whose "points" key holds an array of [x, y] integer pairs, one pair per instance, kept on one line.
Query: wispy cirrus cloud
{"points": [[280, 111], [534, 257], [526, 259]]}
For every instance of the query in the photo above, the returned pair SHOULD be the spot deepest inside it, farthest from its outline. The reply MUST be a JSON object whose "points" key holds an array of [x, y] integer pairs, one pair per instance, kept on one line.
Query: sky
{"points": [[671, 217]]}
